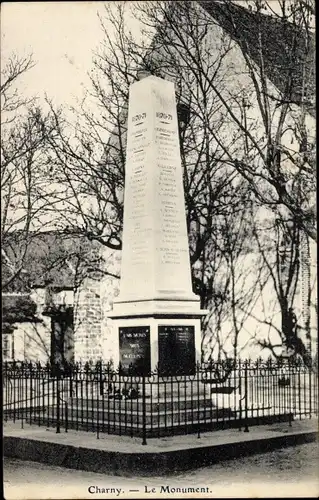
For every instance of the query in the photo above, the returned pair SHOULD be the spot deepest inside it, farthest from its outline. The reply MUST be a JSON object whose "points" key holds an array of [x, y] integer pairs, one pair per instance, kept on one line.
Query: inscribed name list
{"points": [[155, 257]]}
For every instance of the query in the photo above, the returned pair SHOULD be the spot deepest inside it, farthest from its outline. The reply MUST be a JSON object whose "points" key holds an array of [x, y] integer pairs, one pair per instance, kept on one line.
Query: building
{"points": [[288, 55], [76, 300], [54, 309]]}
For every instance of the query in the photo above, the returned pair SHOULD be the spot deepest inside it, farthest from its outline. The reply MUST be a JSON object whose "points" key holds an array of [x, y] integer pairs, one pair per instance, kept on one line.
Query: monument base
{"points": [[157, 335], [158, 305]]}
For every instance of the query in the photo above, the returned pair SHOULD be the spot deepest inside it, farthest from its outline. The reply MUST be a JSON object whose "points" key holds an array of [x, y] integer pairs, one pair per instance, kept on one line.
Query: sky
{"points": [[61, 37]]}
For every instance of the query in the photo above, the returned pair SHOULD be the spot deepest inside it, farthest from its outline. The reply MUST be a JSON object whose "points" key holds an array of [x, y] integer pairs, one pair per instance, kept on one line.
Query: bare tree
{"points": [[233, 277], [268, 110], [277, 150], [90, 160], [282, 257], [11, 100], [25, 130], [247, 121], [89, 153], [279, 56]]}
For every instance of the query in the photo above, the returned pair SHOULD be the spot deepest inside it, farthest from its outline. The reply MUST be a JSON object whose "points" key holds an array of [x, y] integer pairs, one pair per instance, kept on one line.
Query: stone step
{"points": [[167, 428], [115, 427], [151, 404], [158, 388], [161, 418]]}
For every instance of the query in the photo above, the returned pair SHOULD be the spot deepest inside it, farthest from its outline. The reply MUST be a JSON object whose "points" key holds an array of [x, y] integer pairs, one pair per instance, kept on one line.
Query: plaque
{"points": [[176, 350], [135, 350]]}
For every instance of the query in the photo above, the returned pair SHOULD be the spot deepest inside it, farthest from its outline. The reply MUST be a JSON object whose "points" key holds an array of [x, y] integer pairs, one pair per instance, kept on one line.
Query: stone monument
{"points": [[156, 315]]}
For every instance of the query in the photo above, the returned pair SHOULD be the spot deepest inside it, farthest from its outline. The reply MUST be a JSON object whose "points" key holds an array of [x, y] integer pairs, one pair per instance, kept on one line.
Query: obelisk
{"points": [[156, 311]]}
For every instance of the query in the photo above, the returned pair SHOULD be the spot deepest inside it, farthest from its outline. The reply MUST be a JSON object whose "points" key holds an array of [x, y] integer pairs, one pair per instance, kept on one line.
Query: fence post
{"points": [[198, 373], [240, 394], [100, 372], [246, 399], [66, 416], [58, 423], [290, 378], [143, 410], [5, 389], [31, 391], [310, 388]]}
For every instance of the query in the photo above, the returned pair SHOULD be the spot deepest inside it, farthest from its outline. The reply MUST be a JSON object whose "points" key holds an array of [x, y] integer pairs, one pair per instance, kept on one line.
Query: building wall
{"points": [[258, 313], [32, 340], [87, 326], [96, 285], [110, 290], [93, 332]]}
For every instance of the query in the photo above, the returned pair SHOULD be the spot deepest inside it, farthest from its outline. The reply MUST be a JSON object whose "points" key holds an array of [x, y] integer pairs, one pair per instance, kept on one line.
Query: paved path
{"points": [[158, 467], [127, 444], [290, 471]]}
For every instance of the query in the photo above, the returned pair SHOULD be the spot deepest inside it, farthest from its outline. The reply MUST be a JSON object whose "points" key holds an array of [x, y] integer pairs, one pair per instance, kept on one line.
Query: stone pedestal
{"points": [[157, 315], [169, 344]]}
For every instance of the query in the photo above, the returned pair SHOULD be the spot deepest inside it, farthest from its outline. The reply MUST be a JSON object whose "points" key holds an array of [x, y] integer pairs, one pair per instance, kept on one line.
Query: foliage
{"points": [[17, 310]]}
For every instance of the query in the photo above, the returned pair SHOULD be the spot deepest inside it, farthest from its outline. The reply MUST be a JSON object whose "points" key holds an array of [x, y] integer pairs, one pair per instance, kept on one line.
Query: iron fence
{"points": [[98, 398]]}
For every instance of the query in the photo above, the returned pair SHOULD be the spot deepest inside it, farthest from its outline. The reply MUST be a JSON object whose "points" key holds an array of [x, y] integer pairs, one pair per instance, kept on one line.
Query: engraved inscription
{"points": [[139, 117], [135, 350], [155, 242], [164, 116], [176, 349]]}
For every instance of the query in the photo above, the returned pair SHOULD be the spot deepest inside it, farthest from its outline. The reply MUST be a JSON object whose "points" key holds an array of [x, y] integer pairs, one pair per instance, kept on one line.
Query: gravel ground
{"points": [[286, 472]]}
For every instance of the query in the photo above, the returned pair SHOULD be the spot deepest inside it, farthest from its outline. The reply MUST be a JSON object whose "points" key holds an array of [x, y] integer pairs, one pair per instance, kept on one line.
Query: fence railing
{"points": [[98, 398]]}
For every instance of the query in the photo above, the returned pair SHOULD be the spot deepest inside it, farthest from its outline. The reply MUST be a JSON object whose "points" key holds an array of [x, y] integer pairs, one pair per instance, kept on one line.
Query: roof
{"points": [[243, 25], [50, 259]]}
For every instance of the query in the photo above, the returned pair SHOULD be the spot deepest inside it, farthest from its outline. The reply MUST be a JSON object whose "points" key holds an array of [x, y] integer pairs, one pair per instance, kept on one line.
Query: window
{"points": [[7, 346]]}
